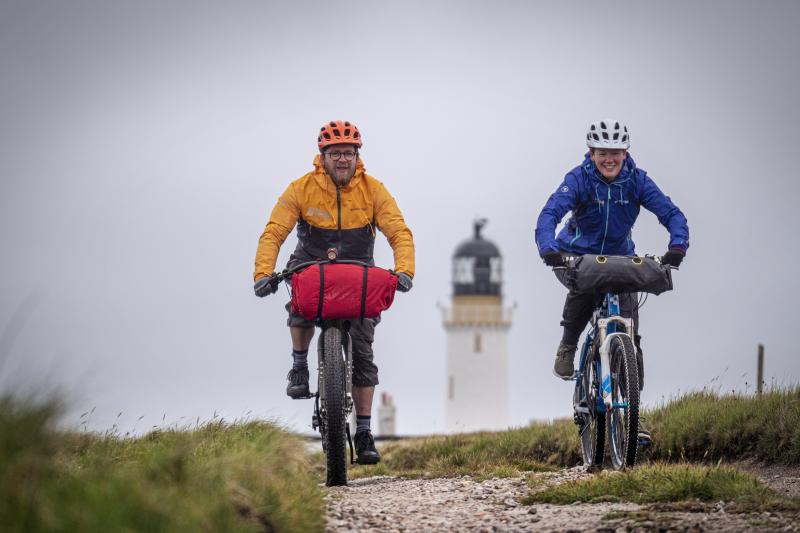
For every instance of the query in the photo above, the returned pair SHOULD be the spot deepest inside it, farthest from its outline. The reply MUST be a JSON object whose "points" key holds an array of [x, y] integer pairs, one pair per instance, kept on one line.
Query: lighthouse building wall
{"points": [[477, 378]]}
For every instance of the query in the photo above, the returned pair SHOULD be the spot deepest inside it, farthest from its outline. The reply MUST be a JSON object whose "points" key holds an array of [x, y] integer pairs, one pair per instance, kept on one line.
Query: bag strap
{"points": [[321, 291], [364, 293]]}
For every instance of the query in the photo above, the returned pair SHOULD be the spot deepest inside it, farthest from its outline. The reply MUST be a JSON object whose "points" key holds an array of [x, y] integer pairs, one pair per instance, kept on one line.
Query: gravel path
{"points": [[462, 504]]}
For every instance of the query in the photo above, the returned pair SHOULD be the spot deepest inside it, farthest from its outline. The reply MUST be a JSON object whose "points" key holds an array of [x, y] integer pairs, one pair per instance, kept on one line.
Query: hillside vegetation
{"points": [[217, 477], [700, 426]]}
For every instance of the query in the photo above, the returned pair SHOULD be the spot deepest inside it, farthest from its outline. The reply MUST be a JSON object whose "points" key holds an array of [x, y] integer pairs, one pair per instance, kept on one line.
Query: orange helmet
{"points": [[338, 132]]}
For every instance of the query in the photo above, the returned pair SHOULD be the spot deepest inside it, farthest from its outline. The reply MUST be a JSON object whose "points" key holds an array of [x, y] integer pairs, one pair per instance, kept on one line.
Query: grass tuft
{"points": [[658, 483], [702, 426]]}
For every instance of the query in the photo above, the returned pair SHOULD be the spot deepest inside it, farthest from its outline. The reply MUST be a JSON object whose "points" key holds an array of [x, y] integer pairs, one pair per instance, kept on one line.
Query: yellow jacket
{"points": [[328, 216]]}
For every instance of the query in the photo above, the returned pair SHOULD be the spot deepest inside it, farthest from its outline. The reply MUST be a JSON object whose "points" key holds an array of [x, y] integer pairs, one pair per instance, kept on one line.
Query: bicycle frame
{"points": [[321, 419], [606, 398]]}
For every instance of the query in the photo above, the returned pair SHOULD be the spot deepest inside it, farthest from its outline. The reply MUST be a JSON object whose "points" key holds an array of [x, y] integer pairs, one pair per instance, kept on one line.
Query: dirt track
{"points": [[462, 504]]}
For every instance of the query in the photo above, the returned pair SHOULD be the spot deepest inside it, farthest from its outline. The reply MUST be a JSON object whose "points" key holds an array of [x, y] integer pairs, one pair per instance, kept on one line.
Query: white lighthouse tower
{"points": [[477, 327]]}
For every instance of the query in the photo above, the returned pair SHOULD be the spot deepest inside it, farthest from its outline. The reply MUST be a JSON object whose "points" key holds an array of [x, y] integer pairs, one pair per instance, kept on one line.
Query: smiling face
{"points": [[339, 161], [608, 162]]}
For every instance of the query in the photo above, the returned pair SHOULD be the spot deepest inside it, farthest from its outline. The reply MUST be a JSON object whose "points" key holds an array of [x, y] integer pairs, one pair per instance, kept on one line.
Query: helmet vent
{"points": [[608, 133], [339, 132]]}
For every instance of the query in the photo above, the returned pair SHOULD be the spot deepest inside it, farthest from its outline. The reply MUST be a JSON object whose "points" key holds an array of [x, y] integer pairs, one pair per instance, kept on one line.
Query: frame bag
{"points": [[617, 274], [342, 291]]}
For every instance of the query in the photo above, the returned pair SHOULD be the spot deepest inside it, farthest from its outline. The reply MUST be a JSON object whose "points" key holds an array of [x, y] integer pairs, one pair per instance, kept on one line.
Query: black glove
{"points": [[553, 259], [404, 283], [265, 286], [673, 257]]}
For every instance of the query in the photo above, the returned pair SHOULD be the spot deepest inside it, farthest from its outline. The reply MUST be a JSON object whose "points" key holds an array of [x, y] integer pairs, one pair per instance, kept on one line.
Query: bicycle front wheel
{"points": [[623, 420], [333, 407]]}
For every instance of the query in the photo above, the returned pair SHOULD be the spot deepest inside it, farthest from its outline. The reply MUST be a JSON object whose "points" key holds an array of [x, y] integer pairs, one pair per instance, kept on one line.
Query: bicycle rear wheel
{"points": [[592, 431], [334, 419], [623, 420]]}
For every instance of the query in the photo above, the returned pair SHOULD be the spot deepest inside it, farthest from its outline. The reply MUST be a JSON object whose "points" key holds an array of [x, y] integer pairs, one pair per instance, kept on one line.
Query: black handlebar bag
{"points": [[596, 274]]}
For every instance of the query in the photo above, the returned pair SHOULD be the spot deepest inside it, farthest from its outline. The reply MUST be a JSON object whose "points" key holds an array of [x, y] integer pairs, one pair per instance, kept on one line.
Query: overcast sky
{"points": [[143, 145]]}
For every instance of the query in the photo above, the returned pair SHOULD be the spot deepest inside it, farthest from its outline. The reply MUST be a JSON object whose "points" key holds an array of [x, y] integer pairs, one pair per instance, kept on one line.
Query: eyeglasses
{"points": [[348, 156]]}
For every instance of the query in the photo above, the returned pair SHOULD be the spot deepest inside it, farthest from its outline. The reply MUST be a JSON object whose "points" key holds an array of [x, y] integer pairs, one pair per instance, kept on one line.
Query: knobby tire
{"points": [[593, 433], [623, 423], [334, 408]]}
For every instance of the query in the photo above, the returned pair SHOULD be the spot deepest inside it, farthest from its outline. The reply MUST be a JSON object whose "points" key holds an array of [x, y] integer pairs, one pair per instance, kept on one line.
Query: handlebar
{"points": [[657, 258], [285, 274]]}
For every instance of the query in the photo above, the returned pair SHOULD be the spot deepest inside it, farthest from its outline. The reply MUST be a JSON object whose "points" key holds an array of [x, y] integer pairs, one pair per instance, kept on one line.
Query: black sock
{"points": [[363, 423], [300, 359]]}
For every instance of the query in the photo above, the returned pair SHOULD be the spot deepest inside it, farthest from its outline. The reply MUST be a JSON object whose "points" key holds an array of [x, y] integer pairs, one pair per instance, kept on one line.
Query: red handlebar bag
{"points": [[342, 291]]}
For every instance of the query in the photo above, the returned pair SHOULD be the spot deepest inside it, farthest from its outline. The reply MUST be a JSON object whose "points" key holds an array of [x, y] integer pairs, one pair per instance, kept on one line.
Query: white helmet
{"points": [[608, 133]]}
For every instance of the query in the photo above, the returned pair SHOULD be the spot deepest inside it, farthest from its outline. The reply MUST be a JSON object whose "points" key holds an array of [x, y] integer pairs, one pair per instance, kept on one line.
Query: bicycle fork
{"points": [[319, 397], [605, 359]]}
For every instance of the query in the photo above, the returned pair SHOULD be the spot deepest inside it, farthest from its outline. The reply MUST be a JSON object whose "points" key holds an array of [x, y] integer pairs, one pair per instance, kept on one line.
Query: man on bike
{"points": [[336, 207], [604, 194]]}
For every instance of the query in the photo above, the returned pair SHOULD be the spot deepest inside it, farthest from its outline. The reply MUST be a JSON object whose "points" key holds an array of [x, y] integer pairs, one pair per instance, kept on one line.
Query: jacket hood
{"points": [[324, 179], [628, 168]]}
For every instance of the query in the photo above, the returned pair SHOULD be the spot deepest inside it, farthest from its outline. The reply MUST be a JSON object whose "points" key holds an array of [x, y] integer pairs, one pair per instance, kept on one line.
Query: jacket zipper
{"points": [[339, 215], [577, 235], [608, 211]]}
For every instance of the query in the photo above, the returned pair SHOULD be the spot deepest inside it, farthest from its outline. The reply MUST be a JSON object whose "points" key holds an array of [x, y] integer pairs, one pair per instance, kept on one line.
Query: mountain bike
{"points": [[606, 396], [333, 401]]}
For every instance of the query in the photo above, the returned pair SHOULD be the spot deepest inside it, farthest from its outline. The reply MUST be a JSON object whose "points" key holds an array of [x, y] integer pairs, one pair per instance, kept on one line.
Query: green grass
{"points": [[700, 427], [671, 483], [219, 477], [704, 426], [484, 455]]}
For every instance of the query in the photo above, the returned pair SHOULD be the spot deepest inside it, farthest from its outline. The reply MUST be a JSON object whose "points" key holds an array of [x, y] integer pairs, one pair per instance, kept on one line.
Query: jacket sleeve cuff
{"points": [[677, 248]]}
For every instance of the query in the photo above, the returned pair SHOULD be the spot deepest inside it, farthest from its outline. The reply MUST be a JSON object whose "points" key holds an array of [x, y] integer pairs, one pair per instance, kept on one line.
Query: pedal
{"points": [[573, 377]]}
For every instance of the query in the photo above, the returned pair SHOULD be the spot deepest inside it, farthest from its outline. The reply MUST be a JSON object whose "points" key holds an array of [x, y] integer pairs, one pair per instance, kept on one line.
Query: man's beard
{"points": [[340, 179]]}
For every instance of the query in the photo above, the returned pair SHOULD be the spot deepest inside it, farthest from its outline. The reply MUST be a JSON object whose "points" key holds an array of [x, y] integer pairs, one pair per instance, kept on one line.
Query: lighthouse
{"points": [[477, 327]]}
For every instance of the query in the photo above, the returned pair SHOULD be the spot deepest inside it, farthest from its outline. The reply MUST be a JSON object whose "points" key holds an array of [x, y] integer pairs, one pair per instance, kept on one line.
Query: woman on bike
{"points": [[336, 208], [604, 194]]}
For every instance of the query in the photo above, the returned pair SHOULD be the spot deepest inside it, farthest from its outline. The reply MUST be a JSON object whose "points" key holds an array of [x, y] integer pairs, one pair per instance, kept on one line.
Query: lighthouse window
{"points": [[477, 342], [450, 388], [463, 270], [496, 270]]}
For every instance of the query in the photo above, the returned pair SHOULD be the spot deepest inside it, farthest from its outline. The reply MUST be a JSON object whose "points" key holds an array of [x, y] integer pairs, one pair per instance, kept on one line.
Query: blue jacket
{"points": [[603, 213]]}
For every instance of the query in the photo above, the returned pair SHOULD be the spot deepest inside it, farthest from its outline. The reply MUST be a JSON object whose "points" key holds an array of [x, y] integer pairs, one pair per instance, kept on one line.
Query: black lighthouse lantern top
{"points": [[477, 265]]}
